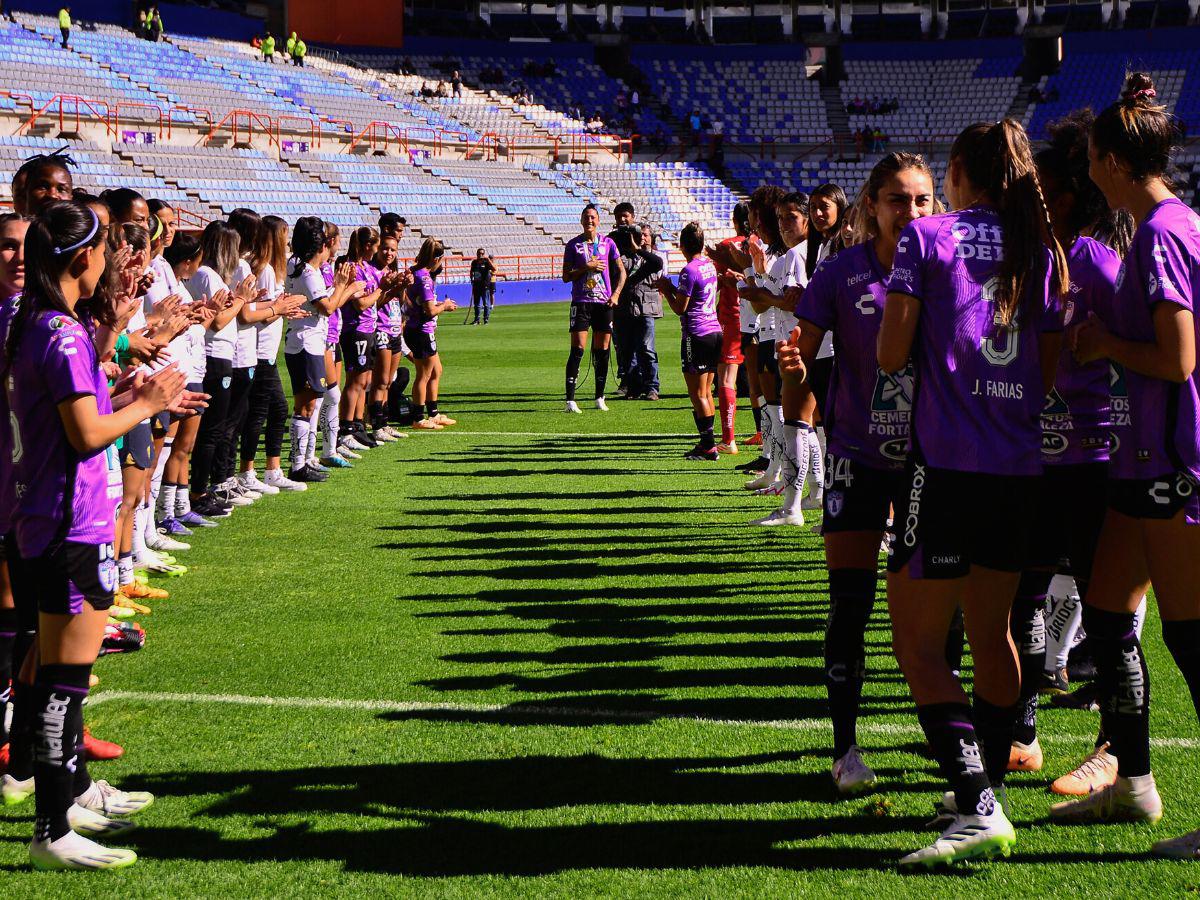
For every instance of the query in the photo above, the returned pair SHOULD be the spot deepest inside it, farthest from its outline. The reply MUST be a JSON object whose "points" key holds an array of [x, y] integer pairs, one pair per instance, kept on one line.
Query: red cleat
{"points": [[755, 441], [4, 758], [97, 749]]}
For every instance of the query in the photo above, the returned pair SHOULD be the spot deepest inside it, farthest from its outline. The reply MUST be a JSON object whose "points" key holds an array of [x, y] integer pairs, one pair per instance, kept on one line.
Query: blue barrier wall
{"points": [[509, 293]]}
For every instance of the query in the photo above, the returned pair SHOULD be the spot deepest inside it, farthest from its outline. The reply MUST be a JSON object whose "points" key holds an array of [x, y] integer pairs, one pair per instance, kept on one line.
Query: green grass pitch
{"points": [[542, 655]]}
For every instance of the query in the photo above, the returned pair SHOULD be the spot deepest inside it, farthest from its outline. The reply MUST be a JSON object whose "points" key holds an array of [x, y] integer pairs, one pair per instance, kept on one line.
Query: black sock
{"points": [[8, 637], [994, 726], [1183, 640], [378, 415], [1124, 685], [345, 428], [20, 737], [956, 639], [704, 428], [1028, 626], [573, 361], [600, 366], [431, 409], [757, 412], [951, 735], [851, 598], [59, 694]]}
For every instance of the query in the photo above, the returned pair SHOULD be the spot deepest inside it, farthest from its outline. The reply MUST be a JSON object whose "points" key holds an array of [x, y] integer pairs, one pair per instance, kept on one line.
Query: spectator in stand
{"points": [[290, 47], [64, 25], [268, 48], [694, 123], [443, 89], [635, 99], [456, 83], [154, 24], [406, 66], [143, 23], [299, 51]]}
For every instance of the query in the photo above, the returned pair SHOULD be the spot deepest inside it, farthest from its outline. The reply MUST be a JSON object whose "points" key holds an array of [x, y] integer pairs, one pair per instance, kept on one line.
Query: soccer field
{"points": [[542, 655]]}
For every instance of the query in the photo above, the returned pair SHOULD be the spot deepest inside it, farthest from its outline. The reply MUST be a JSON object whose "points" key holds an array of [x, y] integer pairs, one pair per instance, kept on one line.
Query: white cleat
{"points": [[92, 824], [398, 435], [601, 405], [382, 434], [573, 407], [251, 482], [74, 851], [814, 502], [774, 489], [967, 837], [353, 443], [107, 800], [276, 479], [851, 774], [1127, 800], [164, 543], [759, 481], [15, 791], [1184, 847], [345, 452], [780, 517]]}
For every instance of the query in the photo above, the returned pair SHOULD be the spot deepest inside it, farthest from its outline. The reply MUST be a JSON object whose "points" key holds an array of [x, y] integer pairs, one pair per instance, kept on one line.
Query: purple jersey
{"points": [[334, 325], [327, 273], [58, 493], [8, 308], [363, 321], [1156, 423], [591, 287], [391, 318], [698, 283], [416, 295], [1075, 420], [867, 411], [978, 392]]}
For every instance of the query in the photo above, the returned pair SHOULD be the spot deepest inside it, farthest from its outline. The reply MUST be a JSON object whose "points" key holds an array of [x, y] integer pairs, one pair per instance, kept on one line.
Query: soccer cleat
{"points": [[774, 489], [652, 396], [430, 425], [172, 527], [305, 475], [120, 601], [1184, 847], [755, 465], [154, 563], [14, 790], [107, 800], [365, 437], [1025, 757], [276, 479], [382, 434], [573, 407], [230, 497], [116, 612], [250, 481], [729, 449], [755, 440], [1085, 697], [192, 519], [209, 507], [314, 463], [393, 432], [1122, 801], [1095, 773], [74, 851], [601, 405], [349, 440], [708, 454], [90, 823], [758, 481], [1054, 683], [345, 452], [166, 543], [814, 502], [780, 517], [967, 837], [336, 462], [97, 749], [444, 420], [137, 592], [851, 774]]}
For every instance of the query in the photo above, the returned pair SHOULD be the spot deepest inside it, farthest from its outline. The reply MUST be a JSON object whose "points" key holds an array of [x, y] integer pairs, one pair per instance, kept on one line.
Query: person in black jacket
{"points": [[639, 305]]}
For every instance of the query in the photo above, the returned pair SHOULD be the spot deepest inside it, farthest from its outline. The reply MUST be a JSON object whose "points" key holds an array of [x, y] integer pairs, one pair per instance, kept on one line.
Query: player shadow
{"points": [[553, 570], [612, 496]]}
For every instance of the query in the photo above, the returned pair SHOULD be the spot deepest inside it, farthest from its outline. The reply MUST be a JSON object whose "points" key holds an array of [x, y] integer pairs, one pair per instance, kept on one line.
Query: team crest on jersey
{"points": [[835, 502], [1114, 443], [1069, 308], [896, 449], [225, 382], [58, 323], [107, 569], [893, 393], [322, 383]]}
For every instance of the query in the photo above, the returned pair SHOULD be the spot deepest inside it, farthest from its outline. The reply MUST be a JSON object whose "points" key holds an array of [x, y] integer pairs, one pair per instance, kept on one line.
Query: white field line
{"points": [[887, 729]]}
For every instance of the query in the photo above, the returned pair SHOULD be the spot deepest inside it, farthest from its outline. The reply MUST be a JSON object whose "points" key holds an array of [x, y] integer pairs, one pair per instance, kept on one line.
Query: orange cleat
{"points": [[137, 591], [97, 749], [1095, 773], [1025, 757], [754, 441]]}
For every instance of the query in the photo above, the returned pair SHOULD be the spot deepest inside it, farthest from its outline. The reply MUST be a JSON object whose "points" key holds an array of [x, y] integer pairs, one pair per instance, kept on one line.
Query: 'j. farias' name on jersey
{"points": [[1000, 390]]}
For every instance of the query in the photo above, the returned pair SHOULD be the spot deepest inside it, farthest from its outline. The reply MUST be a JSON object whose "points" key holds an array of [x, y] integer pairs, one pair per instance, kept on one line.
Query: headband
{"points": [[158, 229], [58, 251], [1148, 93]]}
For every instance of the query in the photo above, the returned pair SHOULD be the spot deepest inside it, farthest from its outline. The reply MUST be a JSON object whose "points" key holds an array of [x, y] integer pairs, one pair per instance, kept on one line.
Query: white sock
{"points": [[125, 570], [816, 464], [165, 507], [314, 428], [300, 430], [183, 502], [157, 478], [150, 531], [139, 530], [1063, 619], [766, 421], [795, 441], [329, 419], [775, 414], [1139, 617]]}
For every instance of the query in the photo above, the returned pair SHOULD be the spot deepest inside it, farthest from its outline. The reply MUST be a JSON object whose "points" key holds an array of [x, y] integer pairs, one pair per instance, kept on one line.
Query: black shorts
{"points": [[766, 358], [24, 590], [699, 355], [159, 425], [596, 316], [422, 344], [396, 343], [358, 351], [947, 521], [336, 349], [137, 446], [819, 375], [306, 371], [1156, 498], [1071, 502], [65, 577], [858, 497]]}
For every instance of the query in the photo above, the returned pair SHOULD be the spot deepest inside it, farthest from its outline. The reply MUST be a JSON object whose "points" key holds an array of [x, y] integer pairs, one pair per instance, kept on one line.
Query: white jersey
{"points": [[186, 349], [245, 353], [308, 334], [270, 334], [217, 344], [784, 272]]}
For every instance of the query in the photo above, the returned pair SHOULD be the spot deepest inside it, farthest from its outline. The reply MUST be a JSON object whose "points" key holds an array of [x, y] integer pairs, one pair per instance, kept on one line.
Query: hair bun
{"points": [[1139, 86]]}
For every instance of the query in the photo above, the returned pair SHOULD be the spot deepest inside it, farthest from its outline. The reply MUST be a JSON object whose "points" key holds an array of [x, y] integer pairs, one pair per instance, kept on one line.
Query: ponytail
{"points": [[308, 239], [997, 160], [1138, 131], [360, 239]]}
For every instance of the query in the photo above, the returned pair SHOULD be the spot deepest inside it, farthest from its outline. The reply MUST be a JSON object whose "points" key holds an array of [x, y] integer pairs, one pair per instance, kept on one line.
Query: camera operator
{"points": [[639, 304]]}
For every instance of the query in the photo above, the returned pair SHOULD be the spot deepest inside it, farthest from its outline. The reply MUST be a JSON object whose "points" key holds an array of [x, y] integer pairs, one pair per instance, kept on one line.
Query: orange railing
{"points": [[194, 111], [266, 125]]}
